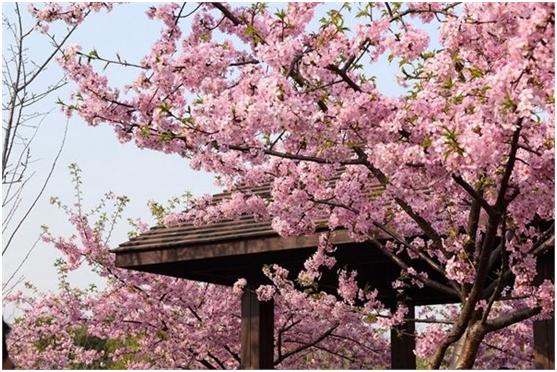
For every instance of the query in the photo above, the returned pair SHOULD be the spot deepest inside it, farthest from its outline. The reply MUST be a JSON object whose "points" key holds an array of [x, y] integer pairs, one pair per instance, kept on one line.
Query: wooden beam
{"points": [[257, 338], [403, 343], [129, 257], [544, 344], [544, 330]]}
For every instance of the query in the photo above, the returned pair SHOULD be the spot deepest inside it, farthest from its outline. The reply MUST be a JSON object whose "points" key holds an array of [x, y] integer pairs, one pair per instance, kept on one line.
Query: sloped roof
{"points": [[227, 250], [244, 227]]}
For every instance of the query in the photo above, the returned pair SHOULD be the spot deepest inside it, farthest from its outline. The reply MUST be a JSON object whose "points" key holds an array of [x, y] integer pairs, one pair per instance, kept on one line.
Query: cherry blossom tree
{"points": [[149, 321], [464, 158]]}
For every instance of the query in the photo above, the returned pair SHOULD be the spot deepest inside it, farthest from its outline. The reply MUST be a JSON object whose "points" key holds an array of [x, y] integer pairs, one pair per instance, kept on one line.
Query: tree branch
{"points": [[227, 13], [476, 195], [505, 321], [428, 282], [286, 155], [308, 345]]}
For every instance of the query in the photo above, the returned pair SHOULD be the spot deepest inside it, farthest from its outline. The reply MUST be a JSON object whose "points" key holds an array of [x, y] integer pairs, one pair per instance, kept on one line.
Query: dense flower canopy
{"points": [[145, 321], [464, 158]]}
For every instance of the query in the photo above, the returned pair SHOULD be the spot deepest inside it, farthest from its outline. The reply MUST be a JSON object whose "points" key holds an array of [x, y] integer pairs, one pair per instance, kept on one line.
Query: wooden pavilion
{"points": [[223, 252]]}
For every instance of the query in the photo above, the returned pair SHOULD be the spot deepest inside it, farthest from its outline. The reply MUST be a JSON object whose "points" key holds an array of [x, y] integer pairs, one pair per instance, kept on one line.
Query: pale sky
{"points": [[106, 164]]}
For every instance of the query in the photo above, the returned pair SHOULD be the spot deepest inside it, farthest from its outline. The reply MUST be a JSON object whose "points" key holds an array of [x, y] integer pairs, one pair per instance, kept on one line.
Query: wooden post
{"points": [[257, 339], [403, 343], [544, 330]]}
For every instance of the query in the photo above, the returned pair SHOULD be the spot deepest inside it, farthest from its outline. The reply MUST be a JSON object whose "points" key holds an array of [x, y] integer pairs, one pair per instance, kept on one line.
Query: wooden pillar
{"points": [[403, 343], [544, 330], [257, 349]]}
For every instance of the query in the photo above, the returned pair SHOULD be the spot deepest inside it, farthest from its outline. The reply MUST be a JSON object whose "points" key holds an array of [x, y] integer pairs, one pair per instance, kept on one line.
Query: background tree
{"points": [[24, 91]]}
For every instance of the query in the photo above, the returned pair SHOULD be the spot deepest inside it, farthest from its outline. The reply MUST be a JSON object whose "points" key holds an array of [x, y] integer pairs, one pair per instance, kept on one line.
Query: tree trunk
{"points": [[458, 348], [468, 350]]}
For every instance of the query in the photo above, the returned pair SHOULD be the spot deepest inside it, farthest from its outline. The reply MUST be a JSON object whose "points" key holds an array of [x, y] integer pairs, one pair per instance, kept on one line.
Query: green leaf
{"points": [[166, 136], [205, 37], [144, 131], [252, 32], [476, 72], [508, 104], [371, 318], [448, 84], [188, 120], [457, 100], [451, 141], [428, 55], [165, 107], [427, 142], [281, 14]]}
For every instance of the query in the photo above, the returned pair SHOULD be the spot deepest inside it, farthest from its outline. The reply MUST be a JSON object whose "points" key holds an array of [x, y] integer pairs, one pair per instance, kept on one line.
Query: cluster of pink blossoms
{"points": [[410, 45], [145, 321], [70, 13]]}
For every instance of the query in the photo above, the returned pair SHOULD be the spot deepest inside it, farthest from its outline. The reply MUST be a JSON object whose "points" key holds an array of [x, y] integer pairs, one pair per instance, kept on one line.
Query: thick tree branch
{"points": [[510, 319], [444, 11], [476, 195], [345, 77], [232, 353], [227, 13], [501, 202]]}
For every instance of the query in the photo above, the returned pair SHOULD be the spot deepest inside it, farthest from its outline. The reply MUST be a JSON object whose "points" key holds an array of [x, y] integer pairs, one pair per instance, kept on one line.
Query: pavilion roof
{"points": [[224, 251], [188, 234]]}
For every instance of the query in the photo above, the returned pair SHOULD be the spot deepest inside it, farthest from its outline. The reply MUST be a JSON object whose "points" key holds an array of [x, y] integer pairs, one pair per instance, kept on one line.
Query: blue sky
{"points": [[107, 165]]}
